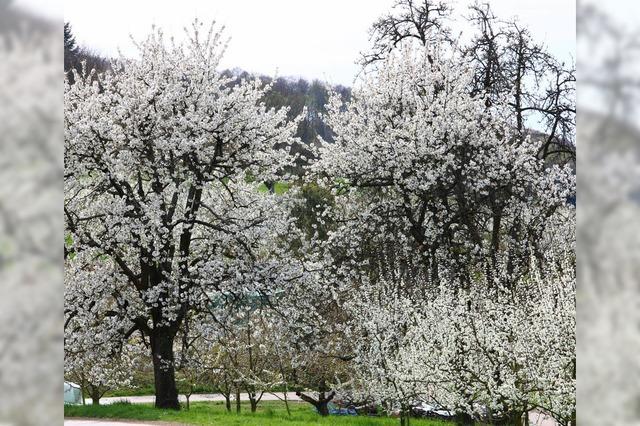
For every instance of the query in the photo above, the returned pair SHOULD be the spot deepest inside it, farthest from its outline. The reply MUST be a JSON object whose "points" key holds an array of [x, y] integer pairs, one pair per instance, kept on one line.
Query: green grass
{"points": [[279, 187], [270, 413], [137, 391], [146, 389]]}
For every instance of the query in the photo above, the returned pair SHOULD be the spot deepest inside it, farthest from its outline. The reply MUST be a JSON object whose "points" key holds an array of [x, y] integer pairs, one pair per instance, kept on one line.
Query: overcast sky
{"points": [[309, 38]]}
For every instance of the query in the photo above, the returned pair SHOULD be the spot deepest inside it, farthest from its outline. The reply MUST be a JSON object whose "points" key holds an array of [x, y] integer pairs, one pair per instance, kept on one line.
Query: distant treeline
{"points": [[300, 95]]}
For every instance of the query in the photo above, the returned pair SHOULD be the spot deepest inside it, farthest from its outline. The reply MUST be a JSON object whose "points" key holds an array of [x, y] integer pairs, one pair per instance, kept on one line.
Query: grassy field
{"points": [[270, 413], [278, 187], [139, 391]]}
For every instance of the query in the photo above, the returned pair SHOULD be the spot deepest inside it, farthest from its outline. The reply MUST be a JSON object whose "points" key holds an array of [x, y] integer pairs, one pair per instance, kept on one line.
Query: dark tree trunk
{"points": [[83, 390], [271, 186], [405, 416], [238, 400], [95, 397], [286, 401], [323, 408], [517, 419], [227, 401], [254, 399], [321, 404], [464, 419], [164, 369]]}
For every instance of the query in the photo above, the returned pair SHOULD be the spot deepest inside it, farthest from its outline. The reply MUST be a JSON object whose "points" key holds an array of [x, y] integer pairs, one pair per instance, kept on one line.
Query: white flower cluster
{"points": [[484, 350], [164, 158], [454, 246], [441, 268]]}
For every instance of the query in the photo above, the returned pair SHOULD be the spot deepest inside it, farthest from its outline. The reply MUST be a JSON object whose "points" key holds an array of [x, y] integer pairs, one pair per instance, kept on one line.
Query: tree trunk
{"points": [[254, 404], [516, 419], [464, 419], [286, 387], [83, 390], [321, 404], [227, 401], [519, 419], [286, 401], [323, 408], [238, 400], [405, 416], [95, 397], [164, 369]]}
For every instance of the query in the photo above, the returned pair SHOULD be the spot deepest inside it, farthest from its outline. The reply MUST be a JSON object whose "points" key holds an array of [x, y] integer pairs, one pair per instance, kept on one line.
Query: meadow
{"points": [[269, 413]]}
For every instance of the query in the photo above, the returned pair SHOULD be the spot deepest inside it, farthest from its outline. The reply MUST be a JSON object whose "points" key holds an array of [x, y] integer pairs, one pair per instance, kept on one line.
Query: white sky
{"points": [[309, 38]]}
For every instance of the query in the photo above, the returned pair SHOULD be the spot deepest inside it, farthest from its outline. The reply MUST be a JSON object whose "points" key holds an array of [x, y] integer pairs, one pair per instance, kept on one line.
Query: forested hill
{"points": [[300, 95]]}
